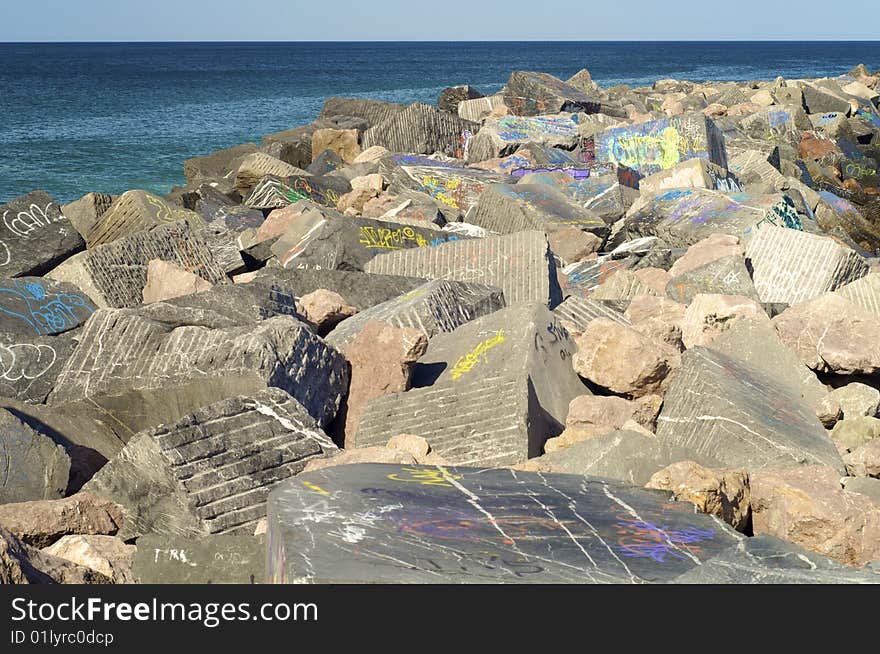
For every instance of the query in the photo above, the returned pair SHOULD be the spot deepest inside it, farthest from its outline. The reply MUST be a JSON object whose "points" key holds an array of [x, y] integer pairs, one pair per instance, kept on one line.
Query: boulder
{"points": [[254, 167], [273, 191], [36, 468], [864, 461], [35, 236], [42, 522], [343, 142], [434, 307], [373, 454], [621, 286], [807, 506], [727, 413], [423, 129], [722, 493], [831, 334], [207, 559], [520, 264], [166, 280], [575, 313], [864, 293], [490, 392], [84, 213], [857, 399], [727, 276], [137, 211], [210, 472], [20, 564], [503, 136], [35, 306], [691, 173], [218, 167], [851, 433], [382, 357], [622, 360], [709, 315], [372, 112], [29, 365], [819, 101], [591, 415], [531, 94], [450, 97], [107, 555], [324, 309], [478, 109], [658, 318], [571, 244], [713, 247]]}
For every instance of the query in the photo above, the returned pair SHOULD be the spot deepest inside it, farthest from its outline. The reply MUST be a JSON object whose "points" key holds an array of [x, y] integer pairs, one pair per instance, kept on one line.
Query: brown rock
{"points": [[594, 415], [813, 147], [572, 244], [831, 334], [710, 314], [381, 358], [108, 555], [352, 203], [371, 155], [864, 461], [22, 564], [343, 142], [42, 522], [711, 248], [324, 310], [658, 318], [373, 181], [656, 278], [414, 445], [715, 109], [828, 410], [807, 505], [166, 280], [277, 222], [622, 359], [377, 454], [722, 493], [380, 205]]}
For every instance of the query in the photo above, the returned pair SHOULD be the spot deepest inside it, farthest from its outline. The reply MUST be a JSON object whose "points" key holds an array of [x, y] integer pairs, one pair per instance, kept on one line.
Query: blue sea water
{"points": [[114, 116]]}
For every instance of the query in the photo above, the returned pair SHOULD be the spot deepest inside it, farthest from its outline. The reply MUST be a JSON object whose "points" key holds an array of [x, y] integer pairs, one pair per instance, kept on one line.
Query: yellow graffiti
{"points": [[390, 239], [432, 187], [466, 363], [666, 148], [167, 214], [427, 477], [315, 488]]}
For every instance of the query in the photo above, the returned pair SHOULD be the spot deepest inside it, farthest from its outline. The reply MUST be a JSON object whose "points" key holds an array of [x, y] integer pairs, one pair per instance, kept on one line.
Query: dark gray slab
{"points": [[530, 94], [273, 192], [724, 276], [29, 365], [34, 235], [38, 306], [423, 129], [215, 559], [35, 467]]}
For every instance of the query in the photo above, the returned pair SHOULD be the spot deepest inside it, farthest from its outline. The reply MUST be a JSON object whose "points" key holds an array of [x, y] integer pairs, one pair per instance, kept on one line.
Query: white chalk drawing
{"points": [[25, 222], [17, 366]]}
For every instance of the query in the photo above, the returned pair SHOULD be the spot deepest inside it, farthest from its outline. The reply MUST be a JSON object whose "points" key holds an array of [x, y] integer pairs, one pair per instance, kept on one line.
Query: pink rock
{"points": [[658, 318], [324, 309], [166, 280], [711, 248], [710, 314]]}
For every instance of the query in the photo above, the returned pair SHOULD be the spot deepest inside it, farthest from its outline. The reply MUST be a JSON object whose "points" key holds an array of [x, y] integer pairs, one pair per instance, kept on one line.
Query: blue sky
{"points": [[438, 20]]}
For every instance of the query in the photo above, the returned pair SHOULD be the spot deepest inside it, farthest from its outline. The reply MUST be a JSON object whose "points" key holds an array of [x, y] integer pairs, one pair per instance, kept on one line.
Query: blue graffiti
{"points": [[643, 539], [44, 315], [675, 194]]}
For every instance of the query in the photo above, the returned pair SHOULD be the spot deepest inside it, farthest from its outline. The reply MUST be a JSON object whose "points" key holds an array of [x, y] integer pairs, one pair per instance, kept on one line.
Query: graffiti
{"points": [[826, 119], [855, 169], [840, 204], [471, 563], [641, 539], [467, 362], [13, 368], [674, 194], [42, 314], [166, 213], [421, 160], [315, 487], [448, 191], [386, 238], [787, 213], [26, 221], [538, 128], [426, 477], [778, 118], [576, 173]]}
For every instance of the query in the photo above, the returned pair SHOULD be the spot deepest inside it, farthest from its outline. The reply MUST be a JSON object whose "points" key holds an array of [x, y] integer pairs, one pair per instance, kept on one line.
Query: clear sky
{"points": [[437, 20]]}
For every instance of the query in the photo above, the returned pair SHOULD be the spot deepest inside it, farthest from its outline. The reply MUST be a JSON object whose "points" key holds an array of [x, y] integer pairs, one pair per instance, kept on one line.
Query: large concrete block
{"points": [[330, 241], [791, 266], [122, 350], [114, 275], [730, 414], [489, 393], [37, 306], [374, 523], [137, 211], [35, 236], [502, 136], [531, 94], [575, 313], [520, 264], [510, 208], [422, 129], [657, 145], [682, 217], [211, 471], [34, 466], [434, 307], [274, 192]]}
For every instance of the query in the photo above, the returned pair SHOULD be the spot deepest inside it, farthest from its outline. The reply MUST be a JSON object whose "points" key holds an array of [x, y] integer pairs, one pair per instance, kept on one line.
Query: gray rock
{"points": [[84, 213], [576, 312], [626, 456], [729, 413], [604, 195], [35, 236], [29, 365], [475, 525], [864, 485], [216, 207], [218, 167], [777, 124], [213, 559], [423, 129], [371, 111], [657, 145], [328, 240], [519, 264], [856, 400], [531, 94], [582, 278], [725, 276], [36, 306], [35, 467], [293, 146], [510, 208], [273, 192], [434, 307], [326, 162], [489, 393], [477, 109], [114, 275], [211, 471], [820, 101], [792, 266], [865, 292], [121, 350]]}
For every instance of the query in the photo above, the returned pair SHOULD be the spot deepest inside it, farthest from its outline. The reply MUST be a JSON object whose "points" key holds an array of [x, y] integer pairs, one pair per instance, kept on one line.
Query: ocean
{"points": [[109, 117]]}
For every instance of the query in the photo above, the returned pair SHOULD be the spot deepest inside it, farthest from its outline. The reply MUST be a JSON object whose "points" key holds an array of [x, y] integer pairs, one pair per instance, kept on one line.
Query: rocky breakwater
{"points": [[558, 333]]}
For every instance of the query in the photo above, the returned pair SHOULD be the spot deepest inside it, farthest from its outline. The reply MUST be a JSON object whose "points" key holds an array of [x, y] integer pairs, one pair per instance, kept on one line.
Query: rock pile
{"points": [[559, 333]]}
